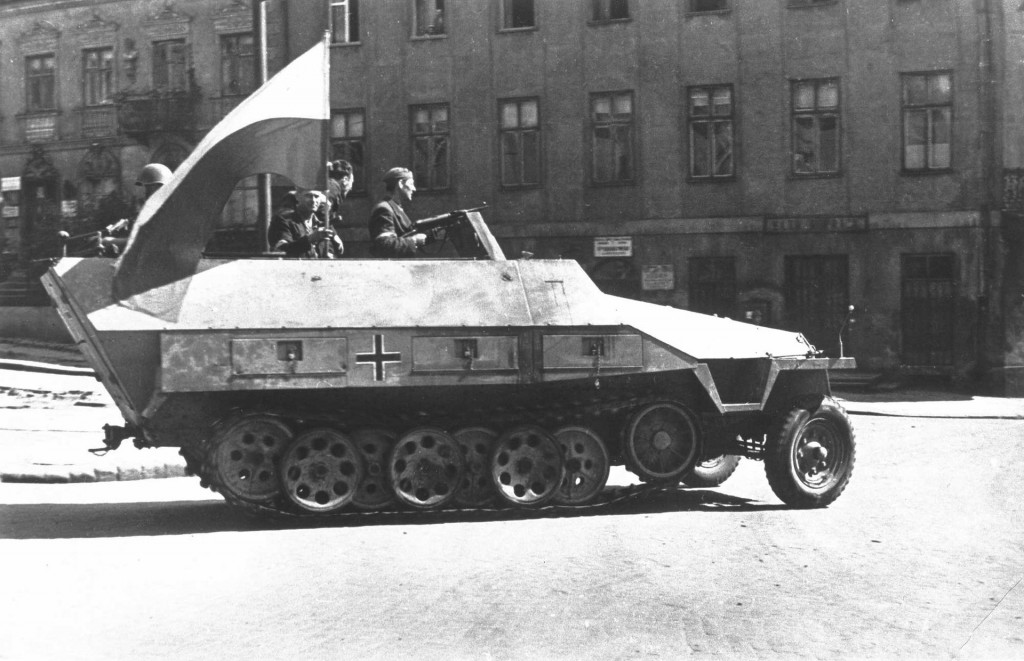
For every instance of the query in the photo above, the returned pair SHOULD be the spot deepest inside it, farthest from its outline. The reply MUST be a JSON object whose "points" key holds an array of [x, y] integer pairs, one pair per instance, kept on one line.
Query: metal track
{"points": [[200, 456]]}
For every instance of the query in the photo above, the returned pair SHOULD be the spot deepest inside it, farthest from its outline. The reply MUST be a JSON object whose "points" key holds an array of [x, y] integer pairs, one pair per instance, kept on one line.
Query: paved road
{"points": [[920, 558]]}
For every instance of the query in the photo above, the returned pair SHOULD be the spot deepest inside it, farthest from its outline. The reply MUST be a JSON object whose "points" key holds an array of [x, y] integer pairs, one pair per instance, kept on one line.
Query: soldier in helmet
{"points": [[390, 227], [113, 237]]}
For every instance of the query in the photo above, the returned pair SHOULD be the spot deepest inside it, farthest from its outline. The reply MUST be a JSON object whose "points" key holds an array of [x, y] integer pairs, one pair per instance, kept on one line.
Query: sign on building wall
{"points": [[657, 276], [613, 246], [11, 189]]}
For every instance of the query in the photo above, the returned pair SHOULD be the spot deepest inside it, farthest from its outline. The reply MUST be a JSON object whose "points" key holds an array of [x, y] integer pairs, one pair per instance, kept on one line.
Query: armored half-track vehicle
{"points": [[316, 385], [313, 386]]}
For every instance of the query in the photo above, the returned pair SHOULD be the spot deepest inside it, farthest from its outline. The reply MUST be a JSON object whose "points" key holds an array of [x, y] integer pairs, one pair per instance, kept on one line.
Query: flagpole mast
{"points": [[263, 204], [326, 150]]}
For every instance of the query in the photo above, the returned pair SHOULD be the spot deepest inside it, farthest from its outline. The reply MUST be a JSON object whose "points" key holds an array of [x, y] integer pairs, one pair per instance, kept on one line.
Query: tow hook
{"points": [[112, 437]]}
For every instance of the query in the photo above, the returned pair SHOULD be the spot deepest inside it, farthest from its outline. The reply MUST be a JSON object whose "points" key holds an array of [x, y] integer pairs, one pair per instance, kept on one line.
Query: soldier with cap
{"points": [[339, 185], [391, 231]]}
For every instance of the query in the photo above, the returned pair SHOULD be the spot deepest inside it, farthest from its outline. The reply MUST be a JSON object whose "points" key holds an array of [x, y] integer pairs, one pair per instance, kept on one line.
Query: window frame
{"points": [[105, 75], [632, 179], [359, 169], [507, 10], [601, 12], [32, 80], [440, 7], [719, 264], [906, 107], [429, 183], [804, 4], [160, 45], [519, 131], [817, 112], [249, 86], [691, 7], [350, 10], [710, 119]]}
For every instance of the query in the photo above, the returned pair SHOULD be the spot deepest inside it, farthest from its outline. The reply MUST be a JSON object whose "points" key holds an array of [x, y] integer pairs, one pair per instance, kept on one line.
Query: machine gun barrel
{"points": [[443, 221]]}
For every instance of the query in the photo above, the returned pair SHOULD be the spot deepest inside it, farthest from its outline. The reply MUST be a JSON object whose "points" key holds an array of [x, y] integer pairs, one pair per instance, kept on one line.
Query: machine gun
{"points": [[434, 226]]}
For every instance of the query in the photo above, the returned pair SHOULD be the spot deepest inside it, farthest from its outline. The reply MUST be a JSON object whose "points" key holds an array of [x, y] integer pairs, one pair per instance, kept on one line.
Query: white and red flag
{"points": [[280, 128]]}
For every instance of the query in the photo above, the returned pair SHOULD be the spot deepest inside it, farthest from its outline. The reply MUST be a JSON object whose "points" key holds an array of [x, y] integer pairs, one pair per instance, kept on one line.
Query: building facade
{"points": [[91, 92], [776, 161]]}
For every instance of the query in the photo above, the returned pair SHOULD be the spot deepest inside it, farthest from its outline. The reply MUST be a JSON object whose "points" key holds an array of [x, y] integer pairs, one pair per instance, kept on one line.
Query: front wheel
{"points": [[809, 454], [713, 471]]}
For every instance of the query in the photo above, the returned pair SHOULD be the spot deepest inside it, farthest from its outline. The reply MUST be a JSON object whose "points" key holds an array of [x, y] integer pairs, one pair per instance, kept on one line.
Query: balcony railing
{"points": [[220, 106], [1013, 189], [149, 112], [97, 121]]}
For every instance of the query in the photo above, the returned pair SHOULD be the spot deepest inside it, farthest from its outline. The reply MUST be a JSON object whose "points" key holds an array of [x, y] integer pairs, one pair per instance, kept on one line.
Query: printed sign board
{"points": [[613, 246], [657, 276]]}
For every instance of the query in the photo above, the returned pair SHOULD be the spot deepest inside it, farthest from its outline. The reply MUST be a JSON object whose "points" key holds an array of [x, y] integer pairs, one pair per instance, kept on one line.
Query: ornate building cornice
{"points": [[42, 37]]}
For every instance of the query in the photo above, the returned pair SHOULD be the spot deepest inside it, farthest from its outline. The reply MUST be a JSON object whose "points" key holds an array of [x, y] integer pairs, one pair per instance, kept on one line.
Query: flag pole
{"points": [[326, 149], [263, 202]]}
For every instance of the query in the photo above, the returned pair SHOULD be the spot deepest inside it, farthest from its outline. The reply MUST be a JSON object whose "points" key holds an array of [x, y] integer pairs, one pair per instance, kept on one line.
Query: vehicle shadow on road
{"points": [[70, 521]]}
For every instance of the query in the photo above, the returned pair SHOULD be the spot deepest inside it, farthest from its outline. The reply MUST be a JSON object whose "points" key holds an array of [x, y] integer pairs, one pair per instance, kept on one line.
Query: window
{"points": [[97, 76], [520, 143], [611, 116], [816, 126], [429, 18], [609, 10], [518, 14], [237, 64], [348, 135], [169, 67], [711, 122], [345, 21], [430, 146], [39, 83], [713, 285], [927, 121], [697, 6]]}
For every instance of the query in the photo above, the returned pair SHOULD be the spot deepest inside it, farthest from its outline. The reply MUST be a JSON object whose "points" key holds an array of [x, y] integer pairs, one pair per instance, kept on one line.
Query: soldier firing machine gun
{"points": [[437, 229]]}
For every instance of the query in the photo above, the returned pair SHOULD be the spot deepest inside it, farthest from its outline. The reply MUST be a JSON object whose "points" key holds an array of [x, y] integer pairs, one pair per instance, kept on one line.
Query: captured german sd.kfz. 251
{"points": [[317, 386]]}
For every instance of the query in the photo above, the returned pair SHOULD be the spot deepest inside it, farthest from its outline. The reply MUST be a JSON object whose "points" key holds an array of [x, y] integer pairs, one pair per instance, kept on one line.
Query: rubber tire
{"points": [[714, 475], [781, 445]]}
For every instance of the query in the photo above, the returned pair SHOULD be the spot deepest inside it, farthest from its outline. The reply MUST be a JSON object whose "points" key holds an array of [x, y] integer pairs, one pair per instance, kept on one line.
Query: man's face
{"points": [[149, 189], [406, 188], [311, 200], [346, 184]]}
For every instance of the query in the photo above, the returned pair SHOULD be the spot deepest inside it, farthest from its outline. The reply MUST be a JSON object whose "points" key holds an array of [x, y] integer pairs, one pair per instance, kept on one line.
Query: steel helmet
{"points": [[154, 173]]}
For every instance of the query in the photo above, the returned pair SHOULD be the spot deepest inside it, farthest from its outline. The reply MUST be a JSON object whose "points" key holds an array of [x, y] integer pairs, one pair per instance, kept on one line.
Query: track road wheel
{"points": [[476, 444], [712, 471], [662, 441], [586, 465], [244, 454], [809, 454], [375, 445], [321, 470], [526, 466], [426, 468]]}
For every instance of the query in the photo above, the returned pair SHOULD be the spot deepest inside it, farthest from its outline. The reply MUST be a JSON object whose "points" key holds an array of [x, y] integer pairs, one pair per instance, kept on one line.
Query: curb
{"points": [[45, 368], [36, 474]]}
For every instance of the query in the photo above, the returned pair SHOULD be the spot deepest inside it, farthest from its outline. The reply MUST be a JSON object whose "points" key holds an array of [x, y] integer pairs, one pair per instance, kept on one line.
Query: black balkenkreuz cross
{"points": [[378, 358]]}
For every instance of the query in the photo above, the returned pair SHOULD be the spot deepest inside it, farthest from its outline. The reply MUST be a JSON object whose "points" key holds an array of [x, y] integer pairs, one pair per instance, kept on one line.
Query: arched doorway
{"points": [[40, 183]]}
